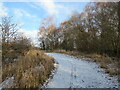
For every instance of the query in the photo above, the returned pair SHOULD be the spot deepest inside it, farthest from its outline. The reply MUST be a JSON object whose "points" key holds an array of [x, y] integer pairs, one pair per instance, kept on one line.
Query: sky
{"points": [[29, 15]]}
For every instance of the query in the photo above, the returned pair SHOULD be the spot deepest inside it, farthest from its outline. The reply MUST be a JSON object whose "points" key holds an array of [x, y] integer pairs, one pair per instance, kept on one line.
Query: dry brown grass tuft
{"points": [[103, 65], [73, 53], [31, 70], [111, 66], [111, 71], [0, 66], [94, 55]]}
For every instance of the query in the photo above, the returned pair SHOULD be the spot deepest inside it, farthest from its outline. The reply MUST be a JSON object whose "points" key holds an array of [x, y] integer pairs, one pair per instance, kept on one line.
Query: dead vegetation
{"points": [[0, 66], [31, 70]]}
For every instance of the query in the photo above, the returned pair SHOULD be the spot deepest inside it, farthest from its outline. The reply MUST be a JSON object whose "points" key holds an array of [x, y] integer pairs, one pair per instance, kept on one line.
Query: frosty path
{"points": [[76, 73]]}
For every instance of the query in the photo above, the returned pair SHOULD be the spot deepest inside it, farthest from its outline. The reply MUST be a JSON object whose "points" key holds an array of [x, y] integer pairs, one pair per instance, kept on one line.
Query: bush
{"points": [[13, 50], [31, 70]]}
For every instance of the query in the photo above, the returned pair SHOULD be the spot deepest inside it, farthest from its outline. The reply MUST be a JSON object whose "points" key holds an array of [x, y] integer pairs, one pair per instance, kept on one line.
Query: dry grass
{"points": [[0, 66], [31, 70], [112, 71], [111, 66], [94, 55], [73, 53]]}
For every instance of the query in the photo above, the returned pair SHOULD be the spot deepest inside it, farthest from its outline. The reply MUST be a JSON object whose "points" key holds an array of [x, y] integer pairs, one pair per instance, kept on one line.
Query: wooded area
{"points": [[95, 30]]}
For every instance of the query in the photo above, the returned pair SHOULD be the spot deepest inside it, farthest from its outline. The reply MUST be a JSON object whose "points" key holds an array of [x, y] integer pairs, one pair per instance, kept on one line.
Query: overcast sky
{"points": [[30, 14]]}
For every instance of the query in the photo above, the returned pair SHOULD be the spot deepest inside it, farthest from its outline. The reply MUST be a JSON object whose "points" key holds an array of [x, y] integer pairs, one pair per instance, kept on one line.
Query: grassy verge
{"points": [[30, 70], [0, 65], [111, 65]]}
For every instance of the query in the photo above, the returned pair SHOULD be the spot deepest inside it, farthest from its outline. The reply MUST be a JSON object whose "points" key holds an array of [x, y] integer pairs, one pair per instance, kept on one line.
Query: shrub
{"points": [[31, 70]]}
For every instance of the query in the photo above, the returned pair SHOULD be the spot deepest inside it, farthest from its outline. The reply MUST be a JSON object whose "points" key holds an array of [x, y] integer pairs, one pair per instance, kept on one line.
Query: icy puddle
{"points": [[72, 72]]}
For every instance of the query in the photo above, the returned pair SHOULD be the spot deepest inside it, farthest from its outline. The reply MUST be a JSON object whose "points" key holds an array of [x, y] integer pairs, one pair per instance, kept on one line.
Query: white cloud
{"points": [[21, 12], [50, 7], [33, 5], [30, 34], [54, 8], [3, 10]]}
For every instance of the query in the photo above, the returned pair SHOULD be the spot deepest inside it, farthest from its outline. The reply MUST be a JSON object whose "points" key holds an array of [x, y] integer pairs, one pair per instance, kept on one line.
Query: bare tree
{"points": [[8, 29]]}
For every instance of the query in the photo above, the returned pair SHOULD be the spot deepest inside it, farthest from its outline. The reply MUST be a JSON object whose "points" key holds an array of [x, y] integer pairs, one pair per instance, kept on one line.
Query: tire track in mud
{"points": [[73, 76]]}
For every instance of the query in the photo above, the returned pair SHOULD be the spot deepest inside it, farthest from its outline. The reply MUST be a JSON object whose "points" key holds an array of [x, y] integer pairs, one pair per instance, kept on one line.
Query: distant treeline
{"points": [[95, 30]]}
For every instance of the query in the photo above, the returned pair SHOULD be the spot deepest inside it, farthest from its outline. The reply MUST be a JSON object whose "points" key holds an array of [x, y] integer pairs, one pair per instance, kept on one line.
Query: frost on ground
{"points": [[8, 83], [76, 73]]}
